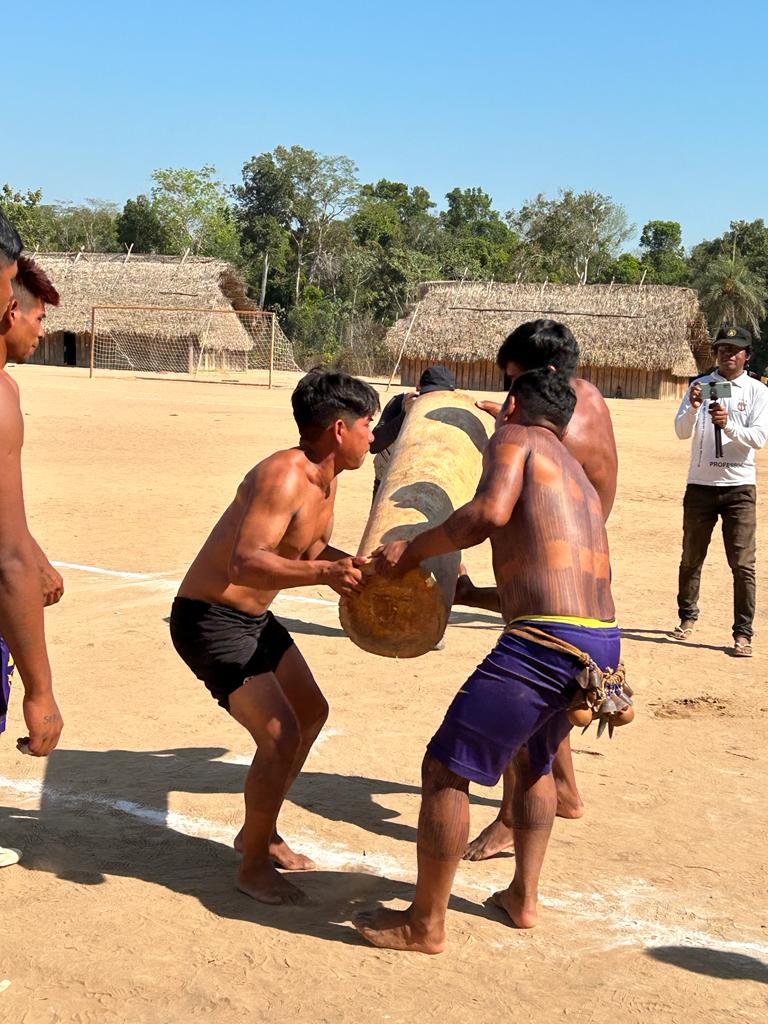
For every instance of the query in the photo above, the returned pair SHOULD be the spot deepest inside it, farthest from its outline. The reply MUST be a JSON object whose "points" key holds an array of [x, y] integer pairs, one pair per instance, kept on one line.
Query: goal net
{"points": [[208, 344]]}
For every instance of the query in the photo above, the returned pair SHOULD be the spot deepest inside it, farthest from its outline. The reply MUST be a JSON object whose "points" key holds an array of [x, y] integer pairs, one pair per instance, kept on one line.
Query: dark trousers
{"points": [[701, 507]]}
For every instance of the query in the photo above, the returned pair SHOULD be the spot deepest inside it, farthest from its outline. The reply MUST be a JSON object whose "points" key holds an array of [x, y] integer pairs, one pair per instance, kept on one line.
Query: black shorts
{"points": [[224, 646]]}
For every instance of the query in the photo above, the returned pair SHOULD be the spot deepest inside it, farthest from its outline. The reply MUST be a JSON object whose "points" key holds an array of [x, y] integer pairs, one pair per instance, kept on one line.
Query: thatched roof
{"points": [[649, 327], [87, 279]]}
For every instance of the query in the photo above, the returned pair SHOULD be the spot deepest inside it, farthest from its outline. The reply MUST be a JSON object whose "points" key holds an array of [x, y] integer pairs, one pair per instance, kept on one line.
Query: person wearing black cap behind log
{"points": [[721, 481], [434, 378]]}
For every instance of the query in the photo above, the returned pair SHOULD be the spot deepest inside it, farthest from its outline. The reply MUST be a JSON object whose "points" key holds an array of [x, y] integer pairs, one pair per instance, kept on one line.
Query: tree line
{"points": [[340, 260]]}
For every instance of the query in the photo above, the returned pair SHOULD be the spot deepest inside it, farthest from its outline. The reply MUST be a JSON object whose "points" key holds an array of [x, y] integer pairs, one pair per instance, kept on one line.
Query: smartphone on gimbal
{"points": [[715, 391]]}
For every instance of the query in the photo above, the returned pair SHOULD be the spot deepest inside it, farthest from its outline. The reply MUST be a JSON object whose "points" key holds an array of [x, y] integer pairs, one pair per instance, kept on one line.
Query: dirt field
{"points": [[123, 908]]}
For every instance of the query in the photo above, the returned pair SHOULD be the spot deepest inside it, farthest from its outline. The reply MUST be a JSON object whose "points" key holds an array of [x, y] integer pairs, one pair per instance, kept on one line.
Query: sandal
{"points": [[742, 650], [681, 633]]}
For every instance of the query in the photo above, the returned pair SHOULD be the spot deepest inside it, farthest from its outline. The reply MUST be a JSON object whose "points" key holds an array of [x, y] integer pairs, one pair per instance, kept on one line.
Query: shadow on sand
{"points": [[106, 813], [716, 963]]}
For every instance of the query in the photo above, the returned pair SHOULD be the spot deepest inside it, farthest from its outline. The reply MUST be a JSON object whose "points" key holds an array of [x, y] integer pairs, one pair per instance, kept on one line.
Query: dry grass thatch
{"points": [[652, 327], [85, 280]]}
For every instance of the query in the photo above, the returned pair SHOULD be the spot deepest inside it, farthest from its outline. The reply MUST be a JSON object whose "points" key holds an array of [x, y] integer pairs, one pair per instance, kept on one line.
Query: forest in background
{"points": [[340, 260]]}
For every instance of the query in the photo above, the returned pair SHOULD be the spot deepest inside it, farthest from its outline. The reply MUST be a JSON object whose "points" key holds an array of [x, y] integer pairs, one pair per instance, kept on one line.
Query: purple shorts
{"points": [[518, 697], [6, 675]]}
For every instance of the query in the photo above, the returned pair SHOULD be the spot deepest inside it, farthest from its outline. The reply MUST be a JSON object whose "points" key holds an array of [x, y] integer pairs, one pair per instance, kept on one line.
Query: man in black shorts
{"points": [[273, 536]]}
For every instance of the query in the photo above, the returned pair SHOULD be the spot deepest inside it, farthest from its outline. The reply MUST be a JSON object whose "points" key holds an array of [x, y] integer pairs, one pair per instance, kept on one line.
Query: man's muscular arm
{"points": [[498, 491], [21, 607], [273, 497]]}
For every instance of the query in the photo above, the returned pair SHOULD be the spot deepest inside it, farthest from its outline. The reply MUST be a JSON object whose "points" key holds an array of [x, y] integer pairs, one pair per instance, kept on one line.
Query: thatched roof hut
{"points": [[640, 340], [172, 283]]}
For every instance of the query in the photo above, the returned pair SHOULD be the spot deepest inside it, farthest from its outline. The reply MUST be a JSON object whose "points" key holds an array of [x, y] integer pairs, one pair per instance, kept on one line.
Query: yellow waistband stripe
{"points": [[568, 620]]}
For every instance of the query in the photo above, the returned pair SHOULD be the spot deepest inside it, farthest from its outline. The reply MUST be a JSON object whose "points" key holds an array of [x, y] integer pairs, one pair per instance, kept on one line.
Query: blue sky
{"points": [[660, 105]]}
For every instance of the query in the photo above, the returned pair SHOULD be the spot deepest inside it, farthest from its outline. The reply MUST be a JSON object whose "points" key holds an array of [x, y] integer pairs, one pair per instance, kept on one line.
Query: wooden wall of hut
{"points": [[614, 381], [482, 375], [62, 348]]}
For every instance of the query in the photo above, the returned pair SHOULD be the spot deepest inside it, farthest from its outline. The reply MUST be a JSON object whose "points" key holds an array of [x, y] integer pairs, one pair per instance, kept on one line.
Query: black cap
{"points": [[739, 337], [437, 378]]}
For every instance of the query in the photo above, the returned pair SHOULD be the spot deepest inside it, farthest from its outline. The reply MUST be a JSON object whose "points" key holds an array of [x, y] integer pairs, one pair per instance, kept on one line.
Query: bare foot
{"points": [[493, 840], [285, 858], [281, 854], [522, 913], [569, 806], [265, 884], [395, 929]]}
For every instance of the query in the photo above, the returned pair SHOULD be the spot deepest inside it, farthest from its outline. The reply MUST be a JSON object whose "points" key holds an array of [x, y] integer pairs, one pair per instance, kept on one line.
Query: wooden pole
{"points": [[272, 351], [93, 340], [402, 349]]}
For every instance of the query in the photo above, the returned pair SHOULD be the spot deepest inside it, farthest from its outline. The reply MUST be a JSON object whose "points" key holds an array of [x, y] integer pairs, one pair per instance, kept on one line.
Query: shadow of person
{"points": [[662, 636], [106, 844], [479, 618], [716, 963], [355, 799], [309, 628], [105, 813]]}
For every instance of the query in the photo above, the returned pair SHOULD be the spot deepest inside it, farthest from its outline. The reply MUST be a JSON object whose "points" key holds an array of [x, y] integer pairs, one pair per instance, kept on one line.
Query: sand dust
{"points": [[123, 907]]}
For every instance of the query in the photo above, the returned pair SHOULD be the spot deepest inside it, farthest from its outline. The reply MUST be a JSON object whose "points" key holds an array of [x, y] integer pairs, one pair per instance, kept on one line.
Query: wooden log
{"points": [[434, 469]]}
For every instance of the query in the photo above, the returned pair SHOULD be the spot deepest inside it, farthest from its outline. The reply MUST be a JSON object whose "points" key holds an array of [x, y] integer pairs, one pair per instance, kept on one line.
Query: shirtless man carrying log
{"points": [[273, 536], [550, 557], [590, 441]]}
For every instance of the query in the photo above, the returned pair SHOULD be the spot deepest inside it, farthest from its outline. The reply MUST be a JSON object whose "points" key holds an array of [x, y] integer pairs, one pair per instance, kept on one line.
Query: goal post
{"points": [[191, 343]]}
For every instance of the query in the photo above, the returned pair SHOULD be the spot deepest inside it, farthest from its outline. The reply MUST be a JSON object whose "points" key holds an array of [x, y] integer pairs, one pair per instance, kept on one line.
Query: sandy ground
{"points": [[123, 908]]}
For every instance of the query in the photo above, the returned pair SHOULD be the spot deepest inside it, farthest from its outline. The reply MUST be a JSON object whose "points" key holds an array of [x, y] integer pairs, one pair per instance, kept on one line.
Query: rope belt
{"points": [[605, 695]]}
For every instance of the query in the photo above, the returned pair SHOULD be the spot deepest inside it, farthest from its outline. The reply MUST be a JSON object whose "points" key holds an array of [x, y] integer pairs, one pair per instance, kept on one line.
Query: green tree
{"points": [[193, 209], [323, 189], [663, 255], [33, 220], [627, 269], [731, 293], [90, 226], [390, 213], [263, 215], [573, 238], [140, 226]]}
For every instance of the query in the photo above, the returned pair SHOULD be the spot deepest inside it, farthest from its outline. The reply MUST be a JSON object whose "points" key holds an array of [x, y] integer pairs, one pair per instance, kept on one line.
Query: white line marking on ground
{"points": [[103, 572], [158, 580], [621, 916]]}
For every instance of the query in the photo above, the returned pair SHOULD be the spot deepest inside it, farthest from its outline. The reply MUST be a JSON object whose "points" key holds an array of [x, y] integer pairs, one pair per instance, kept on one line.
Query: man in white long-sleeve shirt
{"points": [[722, 485]]}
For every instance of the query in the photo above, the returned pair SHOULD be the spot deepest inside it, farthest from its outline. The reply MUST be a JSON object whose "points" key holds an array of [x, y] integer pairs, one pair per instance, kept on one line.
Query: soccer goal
{"points": [[204, 344]]}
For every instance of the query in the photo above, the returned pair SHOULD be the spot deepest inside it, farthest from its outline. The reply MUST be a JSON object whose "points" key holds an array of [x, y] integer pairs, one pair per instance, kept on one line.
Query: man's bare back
{"points": [[589, 438], [560, 518]]}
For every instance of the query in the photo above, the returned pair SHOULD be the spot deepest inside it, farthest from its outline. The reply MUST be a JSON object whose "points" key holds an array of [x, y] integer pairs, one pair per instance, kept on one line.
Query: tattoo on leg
{"points": [[533, 812], [444, 815]]}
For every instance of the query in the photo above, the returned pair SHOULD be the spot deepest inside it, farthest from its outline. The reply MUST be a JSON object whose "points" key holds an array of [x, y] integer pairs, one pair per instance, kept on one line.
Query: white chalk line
{"points": [[162, 582], [624, 918]]}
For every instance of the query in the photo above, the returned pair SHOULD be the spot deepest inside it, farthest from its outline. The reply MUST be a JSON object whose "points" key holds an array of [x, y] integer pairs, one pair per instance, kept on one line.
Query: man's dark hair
{"points": [[540, 343], [32, 282], [323, 396], [10, 241], [545, 395]]}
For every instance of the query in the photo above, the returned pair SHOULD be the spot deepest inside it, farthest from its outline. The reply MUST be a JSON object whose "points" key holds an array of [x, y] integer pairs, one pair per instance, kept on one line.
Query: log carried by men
{"points": [[434, 469]]}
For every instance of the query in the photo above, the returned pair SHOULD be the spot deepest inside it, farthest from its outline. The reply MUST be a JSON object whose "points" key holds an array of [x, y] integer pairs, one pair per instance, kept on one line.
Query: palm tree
{"points": [[731, 293]]}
